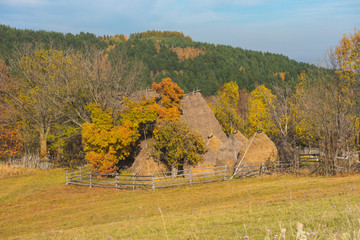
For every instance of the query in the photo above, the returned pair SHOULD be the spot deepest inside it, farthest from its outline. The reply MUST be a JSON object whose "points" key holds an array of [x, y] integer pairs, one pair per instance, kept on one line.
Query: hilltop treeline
{"points": [[160, 34], [171, 54]]}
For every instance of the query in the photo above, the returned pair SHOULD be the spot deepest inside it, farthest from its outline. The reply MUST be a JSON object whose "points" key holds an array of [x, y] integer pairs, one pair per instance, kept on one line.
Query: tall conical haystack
{"points": [[228, 153], [198, 115], [261, 150], [209, 162], [243, 140], [144, 164], [214, 143]]}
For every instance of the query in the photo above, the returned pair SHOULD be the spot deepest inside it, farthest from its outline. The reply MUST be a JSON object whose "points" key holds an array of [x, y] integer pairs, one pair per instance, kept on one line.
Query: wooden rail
{"points": [[184, 177]]}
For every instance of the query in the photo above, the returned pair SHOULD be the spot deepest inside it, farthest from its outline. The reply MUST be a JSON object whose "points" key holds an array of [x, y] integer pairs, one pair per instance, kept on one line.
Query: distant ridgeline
{"points": [[192, 65]]}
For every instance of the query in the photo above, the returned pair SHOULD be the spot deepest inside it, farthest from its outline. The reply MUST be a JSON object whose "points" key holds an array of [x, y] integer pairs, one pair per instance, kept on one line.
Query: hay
{"points": [[214, 144], [228, 153], [144, 164], [198, 115], [209, 162], [243, 140], [262, 149]]}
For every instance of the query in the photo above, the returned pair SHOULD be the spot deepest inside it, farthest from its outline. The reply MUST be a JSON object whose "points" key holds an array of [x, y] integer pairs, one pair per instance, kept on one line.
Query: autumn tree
{"points": [[143, 114], [261, 103], [56, 86], [105, 142], [176, 144], [347, 55], [171, 94], [325, 118], [225, 108], [11, 138]]}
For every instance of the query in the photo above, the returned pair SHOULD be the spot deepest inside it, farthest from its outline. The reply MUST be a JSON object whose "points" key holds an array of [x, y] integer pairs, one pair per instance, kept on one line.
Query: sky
{"points": [[303, 30]]}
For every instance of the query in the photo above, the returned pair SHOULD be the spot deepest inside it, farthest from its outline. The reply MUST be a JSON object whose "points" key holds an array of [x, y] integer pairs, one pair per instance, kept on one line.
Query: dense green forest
{"points": [[192, 65]]}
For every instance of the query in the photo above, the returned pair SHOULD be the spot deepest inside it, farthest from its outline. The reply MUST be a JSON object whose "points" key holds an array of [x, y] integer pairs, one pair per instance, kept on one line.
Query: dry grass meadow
{"points": [[38, 205]]}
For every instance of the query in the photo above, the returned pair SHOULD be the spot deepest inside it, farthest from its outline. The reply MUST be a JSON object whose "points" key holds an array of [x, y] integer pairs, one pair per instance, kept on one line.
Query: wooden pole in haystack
{"points": [[237, 168]]}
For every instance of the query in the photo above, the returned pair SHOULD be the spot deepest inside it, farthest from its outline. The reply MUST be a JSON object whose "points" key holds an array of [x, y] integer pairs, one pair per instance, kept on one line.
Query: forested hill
{"points": [[193, 65]]}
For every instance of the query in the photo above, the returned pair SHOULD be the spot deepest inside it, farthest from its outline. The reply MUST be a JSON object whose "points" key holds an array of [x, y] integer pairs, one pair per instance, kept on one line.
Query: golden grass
{"points": [[41, 206], [8, 171]]}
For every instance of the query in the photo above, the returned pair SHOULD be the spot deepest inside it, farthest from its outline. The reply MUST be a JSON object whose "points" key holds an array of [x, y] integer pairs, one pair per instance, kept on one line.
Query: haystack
{"points": [[214, 143], [228, 153], [261, 150], [243, 140], [144, 164], [209, 162], [198, 115]]}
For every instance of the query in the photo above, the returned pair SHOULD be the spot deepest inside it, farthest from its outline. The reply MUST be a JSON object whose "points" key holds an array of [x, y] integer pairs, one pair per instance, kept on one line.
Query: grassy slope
{"points": [[38, 205]]}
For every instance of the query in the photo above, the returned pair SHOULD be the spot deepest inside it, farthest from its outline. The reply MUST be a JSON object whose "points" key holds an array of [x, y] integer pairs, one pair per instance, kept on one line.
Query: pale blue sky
{"points": [[300, 29]]}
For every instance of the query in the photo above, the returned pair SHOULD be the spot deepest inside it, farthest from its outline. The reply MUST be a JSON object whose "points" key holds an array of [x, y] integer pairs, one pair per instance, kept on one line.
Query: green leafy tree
{"points": [[176, 144]]}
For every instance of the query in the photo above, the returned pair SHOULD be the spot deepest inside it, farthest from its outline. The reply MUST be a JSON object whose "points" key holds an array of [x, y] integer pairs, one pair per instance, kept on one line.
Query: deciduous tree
{"points": [[176, 144], [171, 94], [261, 103], [225, 108], [105, 142]]}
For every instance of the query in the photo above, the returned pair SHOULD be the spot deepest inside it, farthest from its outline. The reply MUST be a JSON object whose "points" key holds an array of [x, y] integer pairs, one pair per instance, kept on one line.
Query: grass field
{"points": [[38, 205]]}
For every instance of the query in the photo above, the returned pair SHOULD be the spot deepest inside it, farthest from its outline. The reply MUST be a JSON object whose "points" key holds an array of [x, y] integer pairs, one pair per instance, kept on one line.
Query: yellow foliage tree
{"points": [[348, 57], [106, 143], [225, 108], [261, 103]]}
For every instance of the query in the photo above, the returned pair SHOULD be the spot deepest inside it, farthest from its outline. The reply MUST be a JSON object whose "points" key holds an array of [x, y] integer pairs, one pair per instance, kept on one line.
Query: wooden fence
{"points": [[159, 180], [186, 177]]}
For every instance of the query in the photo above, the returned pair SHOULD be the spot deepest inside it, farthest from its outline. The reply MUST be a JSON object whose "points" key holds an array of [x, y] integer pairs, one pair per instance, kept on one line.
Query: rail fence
{"points": [[159, 180], [85, 177]]}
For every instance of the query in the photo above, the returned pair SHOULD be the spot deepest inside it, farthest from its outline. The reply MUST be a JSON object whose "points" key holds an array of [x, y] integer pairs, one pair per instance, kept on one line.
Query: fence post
{"points": [[133, 178], [117, 181], [67, 180], [90, 180], [80, 173], [190, 176], [153, 181], [225, 170]]}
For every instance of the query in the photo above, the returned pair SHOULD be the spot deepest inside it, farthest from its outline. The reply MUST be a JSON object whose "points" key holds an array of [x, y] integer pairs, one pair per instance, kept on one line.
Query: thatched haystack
{"points": [[198, 115], [209, 162], [261, 150], [243, 140], [228, 153], [144, 164], [214, 143]]}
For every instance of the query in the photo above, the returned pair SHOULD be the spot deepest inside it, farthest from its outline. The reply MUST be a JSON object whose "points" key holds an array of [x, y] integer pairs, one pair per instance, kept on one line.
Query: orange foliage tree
{"points": [[171, 95], [11, 141]]}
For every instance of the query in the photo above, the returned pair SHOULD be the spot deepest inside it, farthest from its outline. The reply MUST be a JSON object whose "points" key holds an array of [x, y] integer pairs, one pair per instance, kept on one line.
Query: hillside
{"points": [[192, 65]]}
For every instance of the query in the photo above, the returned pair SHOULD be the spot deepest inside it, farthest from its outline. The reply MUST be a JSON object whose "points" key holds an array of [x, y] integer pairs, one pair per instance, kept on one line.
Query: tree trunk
{"points": [[43, 144]]}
